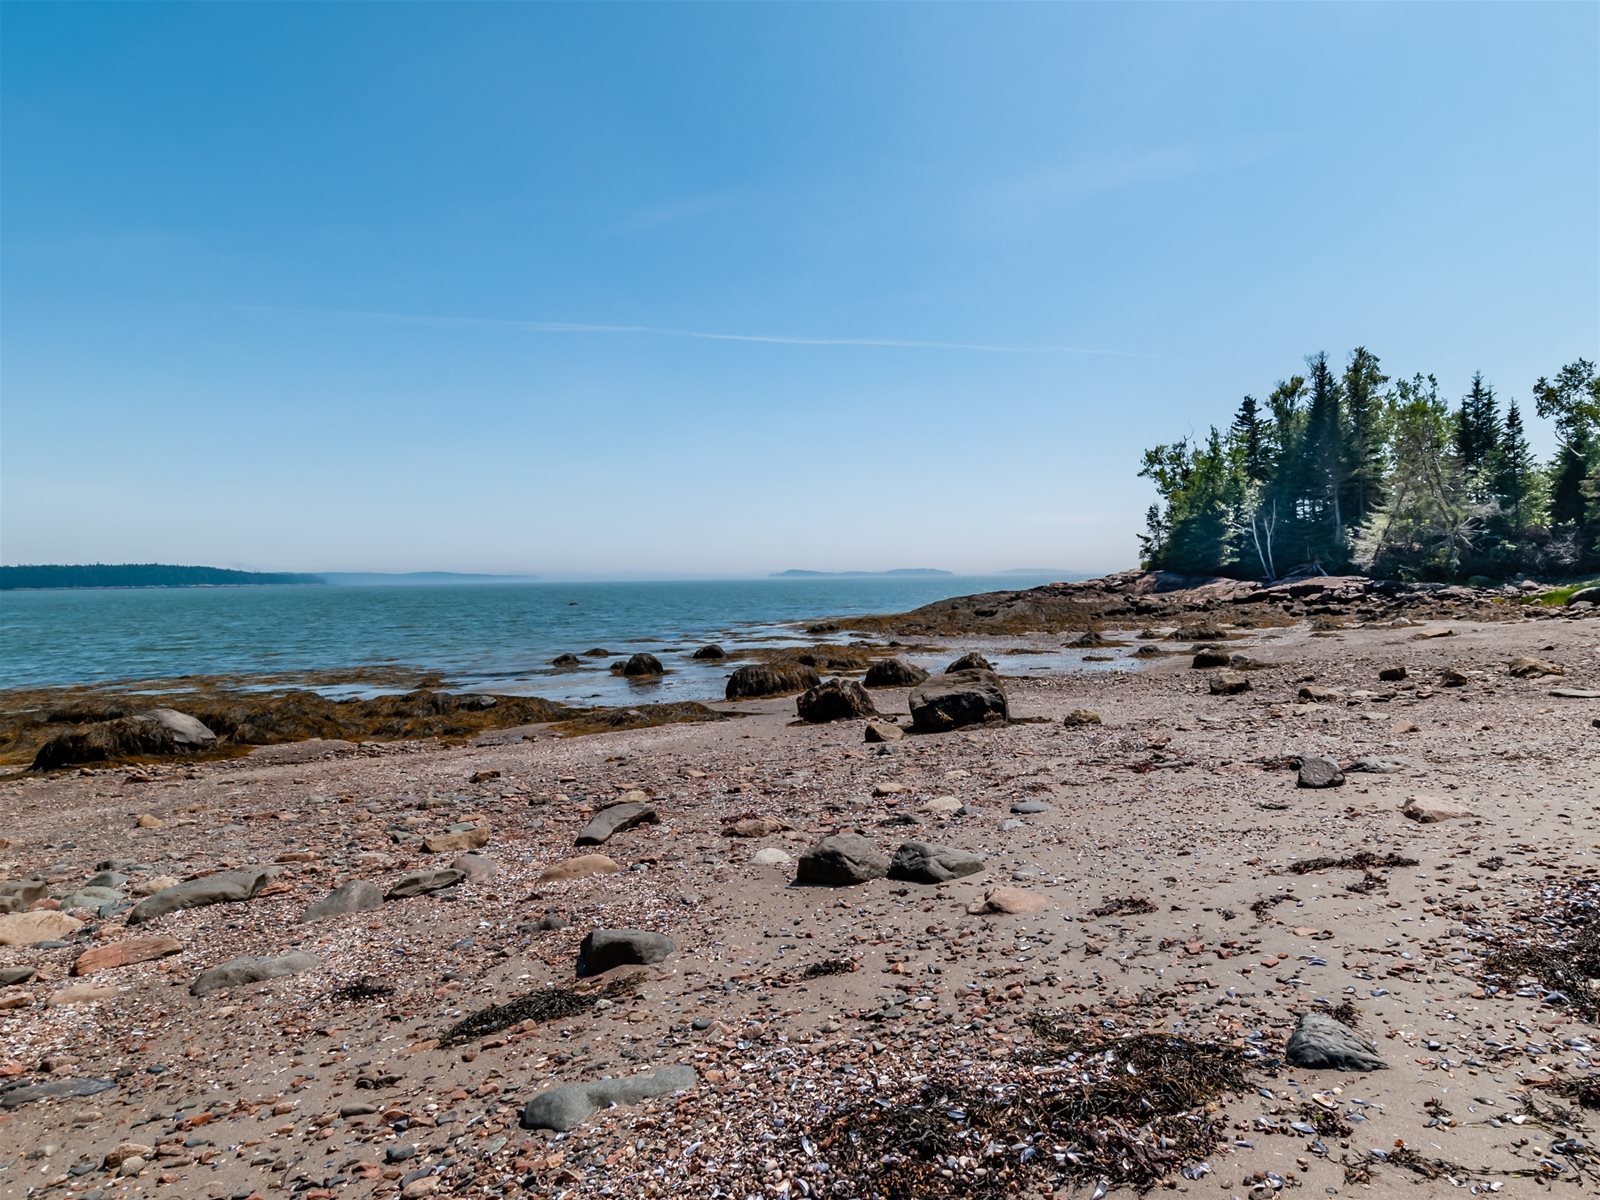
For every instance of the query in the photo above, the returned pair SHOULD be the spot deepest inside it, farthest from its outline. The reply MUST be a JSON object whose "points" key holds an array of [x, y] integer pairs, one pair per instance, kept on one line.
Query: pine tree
{"points": [[1323, 467], [1572, 401], [1249, 436], [1477, 429], [1363, 397], [1513, 474]]}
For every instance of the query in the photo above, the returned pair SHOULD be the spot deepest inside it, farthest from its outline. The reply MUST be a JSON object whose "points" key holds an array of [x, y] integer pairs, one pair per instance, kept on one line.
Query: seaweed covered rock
{"points": [[770, 679], [643, 666], [711, 653], [969, 662], [161, 731], [957, 698], [894, 672], [835, 700]]}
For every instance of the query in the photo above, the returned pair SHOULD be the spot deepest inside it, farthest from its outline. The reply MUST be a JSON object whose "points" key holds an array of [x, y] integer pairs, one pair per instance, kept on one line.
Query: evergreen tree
{"points": [[1249, 435], [1477, 428], [1572, 401], [1513, 474], [1363, 397], [1323, 467]]}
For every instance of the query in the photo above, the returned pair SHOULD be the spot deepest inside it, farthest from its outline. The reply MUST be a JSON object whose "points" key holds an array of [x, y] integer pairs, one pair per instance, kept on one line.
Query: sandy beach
{"points": [[1156, 850]]}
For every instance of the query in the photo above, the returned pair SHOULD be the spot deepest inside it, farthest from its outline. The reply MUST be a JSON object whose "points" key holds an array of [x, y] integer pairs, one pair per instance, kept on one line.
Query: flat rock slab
{"points": [[421, 883], [1377, 766], [1030, 808], [1428, 810], [31, 928], [454, 843], [17, 1094], [755, 827], [124, 953], [355, 895], [1321, 1043], [918, 862], [1527, 667], [609, 822], [250, 970], [841, 860], [225, 887], [565, 1108], [1006, 900], [605, 949], [1576, 693], [584, 866]]}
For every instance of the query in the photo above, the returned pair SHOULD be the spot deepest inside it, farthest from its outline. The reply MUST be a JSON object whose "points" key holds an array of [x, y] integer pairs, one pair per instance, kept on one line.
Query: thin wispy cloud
{"points": [[1036, 193], [580, 328]]}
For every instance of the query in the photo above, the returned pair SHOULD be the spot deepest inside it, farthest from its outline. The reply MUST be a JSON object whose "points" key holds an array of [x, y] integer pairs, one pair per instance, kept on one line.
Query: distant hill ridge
{"points": [[131, 575]]}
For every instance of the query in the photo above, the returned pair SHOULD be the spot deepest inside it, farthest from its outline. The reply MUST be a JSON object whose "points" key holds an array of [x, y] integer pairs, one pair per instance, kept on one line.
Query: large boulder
{"points": [[225, 887], [770, 679], [918, 862], [31, 928], [841, 860], [711, 653], [957, 698], [608, 822], [894, 672], [605, 949], [835, 700], [565, 1108], [162, 731], [1319, 772], [1321, 1043], [241, 971], [643, 666], [1588, 595], [188, 732]]}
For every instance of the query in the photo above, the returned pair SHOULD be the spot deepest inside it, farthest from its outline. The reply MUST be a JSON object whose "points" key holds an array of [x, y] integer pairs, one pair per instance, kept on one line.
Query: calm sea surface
{"points": [[495, 637]]}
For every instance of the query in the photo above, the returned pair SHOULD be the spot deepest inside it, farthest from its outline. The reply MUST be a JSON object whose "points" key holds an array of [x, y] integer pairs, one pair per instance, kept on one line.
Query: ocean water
{"points": [[485, 637]]}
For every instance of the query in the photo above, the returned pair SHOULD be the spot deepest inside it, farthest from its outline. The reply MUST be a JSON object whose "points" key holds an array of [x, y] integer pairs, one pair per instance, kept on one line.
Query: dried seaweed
{"points": [[1362, 860], [1127, 906], [828, 966], [361, 990], [547, 1004], [1558, 947]]}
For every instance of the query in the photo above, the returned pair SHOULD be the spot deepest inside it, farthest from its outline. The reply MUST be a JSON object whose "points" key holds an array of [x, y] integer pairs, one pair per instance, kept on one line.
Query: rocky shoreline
{"points": [[1088, 932]]}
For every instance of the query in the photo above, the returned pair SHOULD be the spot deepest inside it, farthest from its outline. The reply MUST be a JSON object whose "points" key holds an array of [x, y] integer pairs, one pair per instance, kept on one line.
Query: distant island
{"points": [[795, 573], [139, 575], [165, 575]]}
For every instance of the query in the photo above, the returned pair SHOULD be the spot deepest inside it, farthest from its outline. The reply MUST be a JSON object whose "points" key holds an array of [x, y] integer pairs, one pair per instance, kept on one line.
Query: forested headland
{"points": [[1344, 471], [130, 575]]}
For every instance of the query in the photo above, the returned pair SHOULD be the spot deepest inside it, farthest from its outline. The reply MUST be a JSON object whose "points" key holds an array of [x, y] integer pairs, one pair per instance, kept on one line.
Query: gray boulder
{"points": [[969, 662], [20, 1092], [1229, 683], [605, 949], [958, 698], [355, 895], [894, 672], [1588, 595], [225, 887], [835, 700], [754, 680], [189, 733], [241, 971], [917, 862], [608, 822], [1321, 1043], [1206, 657], [841, 860], [17, 894], [565, 1108], [422, 883], [1319, 772]]}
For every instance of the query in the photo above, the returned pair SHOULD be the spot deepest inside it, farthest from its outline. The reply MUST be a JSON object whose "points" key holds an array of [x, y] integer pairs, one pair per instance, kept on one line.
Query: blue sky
{"points": [[718, 289]]}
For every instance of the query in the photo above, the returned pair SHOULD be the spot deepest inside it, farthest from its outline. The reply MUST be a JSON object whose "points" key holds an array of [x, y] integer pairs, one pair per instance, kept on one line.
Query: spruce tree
{"points": [[1572, 401], [1363, 398], [1513, 473], [1249, 435], [1477, 428]]}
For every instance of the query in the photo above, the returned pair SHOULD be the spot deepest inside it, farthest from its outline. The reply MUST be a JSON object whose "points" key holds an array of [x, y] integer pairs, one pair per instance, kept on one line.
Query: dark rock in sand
{"points": [[770, 679], [422, 883], [225, 887], [835, 700], [918, 862], [613, 820], [161, 731], [641, 666], [1229, 683], [1321, 1043], [11, 976], [1392, 674], [1081, 716], [565, 1108], [19, 1092], [1318, 772], [355, 895], [241, 971], [712, 653], [958, 698], [605, 949], [841, 860], [894, 672], [969, 662], [1588, 595], [1206, 657]]}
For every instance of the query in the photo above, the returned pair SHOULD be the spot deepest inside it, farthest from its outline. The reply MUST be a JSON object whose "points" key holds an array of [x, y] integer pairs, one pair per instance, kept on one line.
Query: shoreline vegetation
{"points": [[1340, 472]]}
